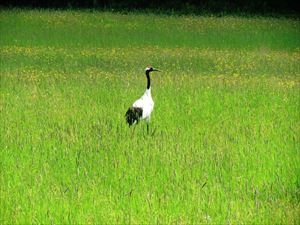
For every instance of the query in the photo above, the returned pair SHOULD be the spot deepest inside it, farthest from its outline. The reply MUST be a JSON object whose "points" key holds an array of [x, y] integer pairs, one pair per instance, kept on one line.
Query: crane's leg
{"points": [[147, 128], [148, 122], [132, 133]]}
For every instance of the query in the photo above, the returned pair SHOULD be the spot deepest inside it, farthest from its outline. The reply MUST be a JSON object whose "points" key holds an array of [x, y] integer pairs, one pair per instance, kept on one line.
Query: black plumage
{"points": [[133, 115]]}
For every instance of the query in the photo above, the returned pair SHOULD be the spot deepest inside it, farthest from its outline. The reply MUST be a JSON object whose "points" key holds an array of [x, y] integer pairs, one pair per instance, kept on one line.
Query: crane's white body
{"points": [[146, 103]]}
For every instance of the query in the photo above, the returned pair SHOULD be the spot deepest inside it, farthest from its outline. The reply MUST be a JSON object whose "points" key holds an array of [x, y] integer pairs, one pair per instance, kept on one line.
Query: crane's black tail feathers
{"points": [[133, 115]]}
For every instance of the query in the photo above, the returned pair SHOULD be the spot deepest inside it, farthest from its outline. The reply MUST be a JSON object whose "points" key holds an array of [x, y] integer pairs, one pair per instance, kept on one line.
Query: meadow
{"points": [[224, 137]]}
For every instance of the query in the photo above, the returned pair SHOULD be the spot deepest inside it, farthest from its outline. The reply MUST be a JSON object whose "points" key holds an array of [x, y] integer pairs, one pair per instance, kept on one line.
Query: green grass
{"points": [[225, 143]]}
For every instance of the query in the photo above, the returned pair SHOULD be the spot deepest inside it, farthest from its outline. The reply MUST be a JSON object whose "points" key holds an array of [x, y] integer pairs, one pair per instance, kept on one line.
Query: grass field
{"points": [[224, 144]]}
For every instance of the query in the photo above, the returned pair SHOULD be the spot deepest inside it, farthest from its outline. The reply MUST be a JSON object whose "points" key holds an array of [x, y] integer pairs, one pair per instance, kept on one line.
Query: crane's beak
{"points": [[156, 70]]}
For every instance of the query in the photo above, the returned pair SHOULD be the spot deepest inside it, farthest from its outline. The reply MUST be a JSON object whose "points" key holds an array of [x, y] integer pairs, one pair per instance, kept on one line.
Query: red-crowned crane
{"points": [[143, 107]]}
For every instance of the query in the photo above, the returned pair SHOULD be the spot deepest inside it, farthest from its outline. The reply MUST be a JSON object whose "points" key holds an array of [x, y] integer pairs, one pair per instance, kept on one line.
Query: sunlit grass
{"points": [[224, 143]]}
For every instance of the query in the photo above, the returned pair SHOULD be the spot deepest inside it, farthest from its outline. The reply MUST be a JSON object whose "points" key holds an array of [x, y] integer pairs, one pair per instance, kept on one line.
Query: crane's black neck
{"points": [[148, 79]]}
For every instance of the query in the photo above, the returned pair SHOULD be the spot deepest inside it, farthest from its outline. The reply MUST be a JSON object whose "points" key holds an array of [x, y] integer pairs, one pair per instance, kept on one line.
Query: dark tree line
{"points": [[271, 6]]}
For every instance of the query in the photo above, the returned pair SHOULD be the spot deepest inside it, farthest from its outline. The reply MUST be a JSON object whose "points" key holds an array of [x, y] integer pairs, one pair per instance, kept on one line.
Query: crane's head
{"points": [[150, 69]]}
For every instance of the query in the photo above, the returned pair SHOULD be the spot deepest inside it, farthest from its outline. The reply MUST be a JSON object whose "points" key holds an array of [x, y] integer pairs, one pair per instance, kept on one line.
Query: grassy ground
{"points": [[225, 129]]}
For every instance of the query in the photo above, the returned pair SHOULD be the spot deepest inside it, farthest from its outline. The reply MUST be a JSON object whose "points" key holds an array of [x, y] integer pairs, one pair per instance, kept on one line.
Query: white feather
{"points": [[146, 103]]}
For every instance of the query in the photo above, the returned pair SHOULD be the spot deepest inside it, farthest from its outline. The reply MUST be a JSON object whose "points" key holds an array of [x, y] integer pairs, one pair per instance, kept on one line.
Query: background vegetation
{"points": [[224, 143], [179, 6]]}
